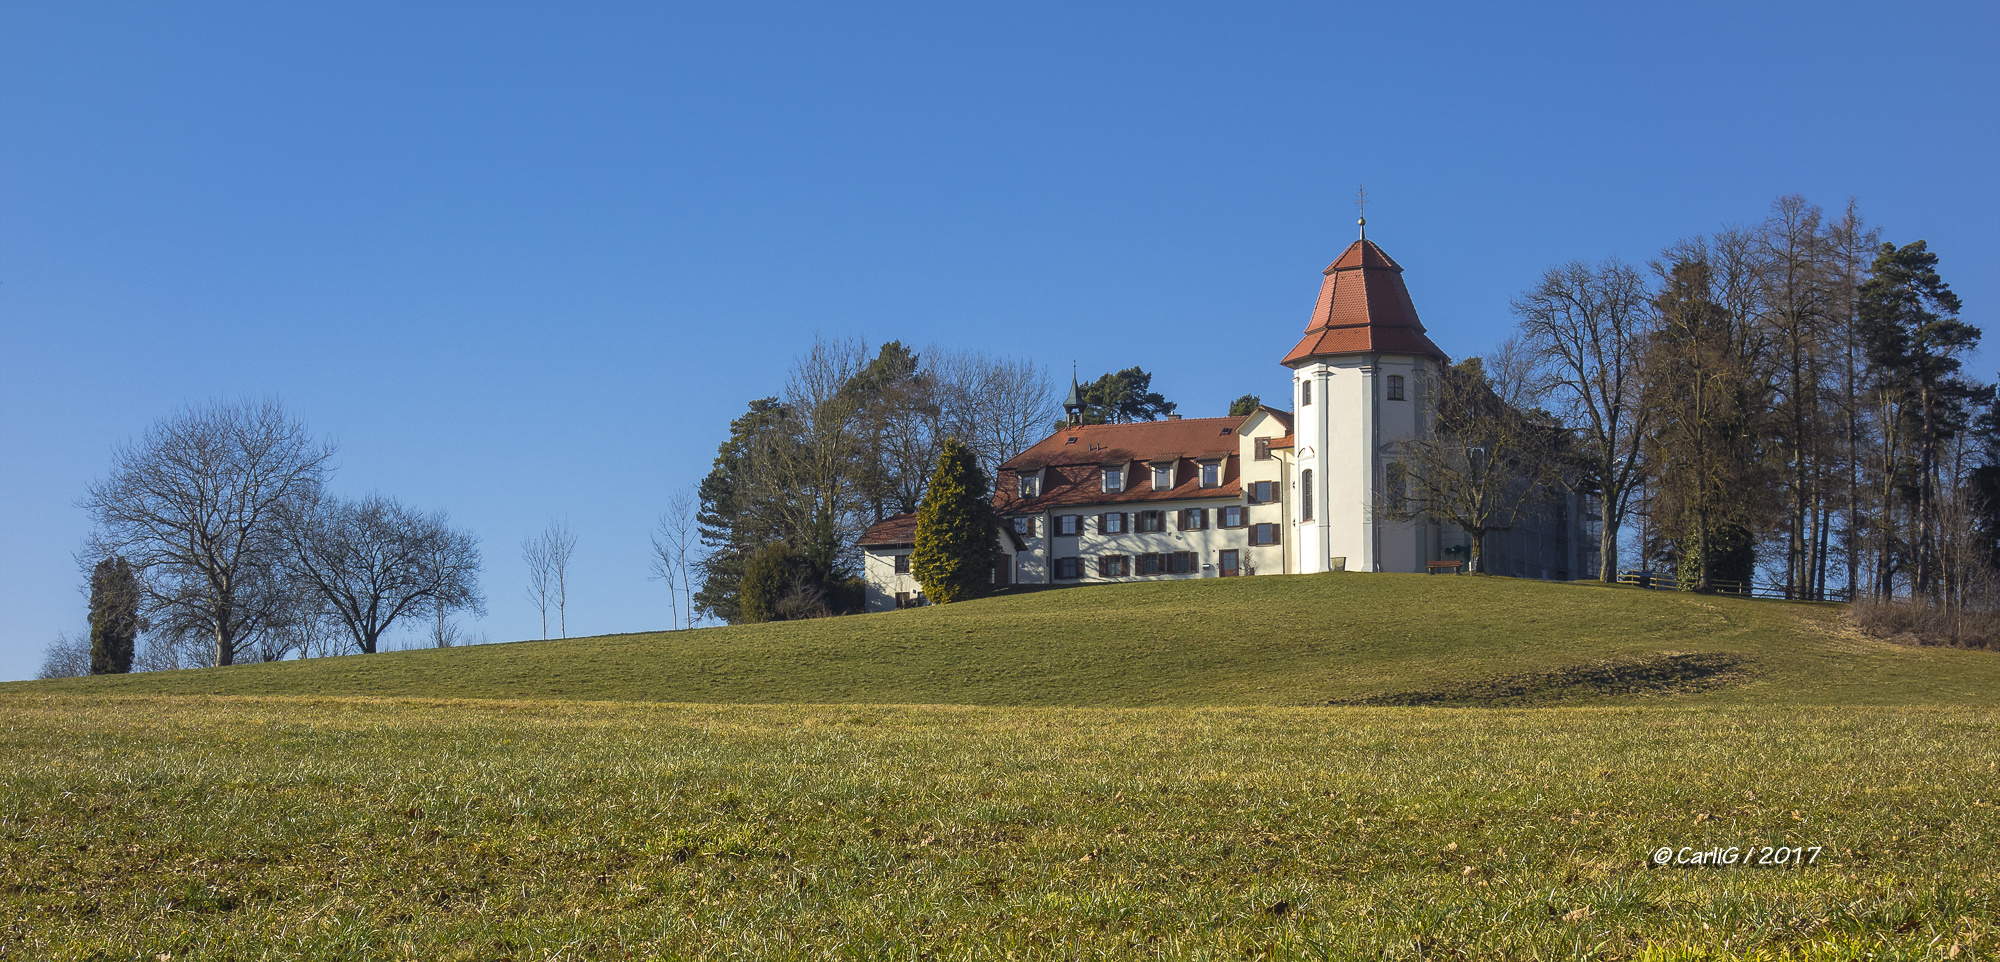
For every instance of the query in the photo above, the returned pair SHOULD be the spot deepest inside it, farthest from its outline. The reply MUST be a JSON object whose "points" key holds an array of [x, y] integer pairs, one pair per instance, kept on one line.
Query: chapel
{"points": [[1271, 492]]}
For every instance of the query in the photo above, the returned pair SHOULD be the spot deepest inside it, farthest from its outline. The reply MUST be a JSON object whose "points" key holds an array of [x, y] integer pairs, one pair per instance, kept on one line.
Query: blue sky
{"points": [[525, 261]]}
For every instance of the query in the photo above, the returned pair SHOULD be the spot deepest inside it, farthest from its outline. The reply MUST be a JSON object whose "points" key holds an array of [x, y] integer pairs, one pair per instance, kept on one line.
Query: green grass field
{"points": [[1129, 772], [1280, 641]]}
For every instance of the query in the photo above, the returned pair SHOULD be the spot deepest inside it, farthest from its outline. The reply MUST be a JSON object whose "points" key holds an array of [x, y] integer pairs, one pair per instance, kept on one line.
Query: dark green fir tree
{"points": [[958, 535], [114, 616]]}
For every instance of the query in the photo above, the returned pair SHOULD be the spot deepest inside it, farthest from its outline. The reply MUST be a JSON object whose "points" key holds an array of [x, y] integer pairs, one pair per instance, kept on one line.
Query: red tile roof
{"points": [[1364, 308], [1071, 461], [1284, 442], [896, 530], [900, 531]]}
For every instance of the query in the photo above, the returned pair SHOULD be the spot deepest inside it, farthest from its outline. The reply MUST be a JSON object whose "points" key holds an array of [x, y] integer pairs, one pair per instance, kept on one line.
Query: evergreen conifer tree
{"points": [[114, 616], [958, 536], [1910, 326]]}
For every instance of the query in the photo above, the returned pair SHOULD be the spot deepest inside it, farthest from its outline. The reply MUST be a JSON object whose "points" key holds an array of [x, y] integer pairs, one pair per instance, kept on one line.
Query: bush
{"points": [[66, 657], [1924, 623]]}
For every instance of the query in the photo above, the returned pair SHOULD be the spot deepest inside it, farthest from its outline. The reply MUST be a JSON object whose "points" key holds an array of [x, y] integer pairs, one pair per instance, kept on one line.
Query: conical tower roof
{"points": [[1364, 309]]}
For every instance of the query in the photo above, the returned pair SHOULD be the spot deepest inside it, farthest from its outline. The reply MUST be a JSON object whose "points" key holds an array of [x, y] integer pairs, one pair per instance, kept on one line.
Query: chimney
{"points": [[1173, 417]]}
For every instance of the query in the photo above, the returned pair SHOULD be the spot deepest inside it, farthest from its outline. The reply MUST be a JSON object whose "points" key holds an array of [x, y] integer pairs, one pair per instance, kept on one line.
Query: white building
{"points": [[1268, 493]]}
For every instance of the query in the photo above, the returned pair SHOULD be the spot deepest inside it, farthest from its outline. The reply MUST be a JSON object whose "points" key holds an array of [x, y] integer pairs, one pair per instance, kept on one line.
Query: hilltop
{"points": [[1354, 639]]}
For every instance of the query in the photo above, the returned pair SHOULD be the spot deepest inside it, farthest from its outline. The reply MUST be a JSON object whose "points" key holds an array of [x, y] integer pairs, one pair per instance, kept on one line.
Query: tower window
{"points": [[1305, 393], [1306, 495], [1395, 387]]}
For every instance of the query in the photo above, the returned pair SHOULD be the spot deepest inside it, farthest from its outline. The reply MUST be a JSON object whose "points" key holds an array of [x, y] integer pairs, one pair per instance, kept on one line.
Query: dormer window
{"points": [[1114, 479], [1395, 387], [1211, 474], [1163, 477], [1031, 485]]}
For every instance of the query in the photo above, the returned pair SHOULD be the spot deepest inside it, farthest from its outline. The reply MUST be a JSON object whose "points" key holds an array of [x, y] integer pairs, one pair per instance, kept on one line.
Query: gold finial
{"points": [[1361, 207]]}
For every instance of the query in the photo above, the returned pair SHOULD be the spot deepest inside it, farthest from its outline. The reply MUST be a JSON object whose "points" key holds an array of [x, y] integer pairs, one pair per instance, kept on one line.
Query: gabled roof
{"points": [[1364, 308], [896, 530], [1199, 438], [1071, 461], [1284, 418], [900, 531]]}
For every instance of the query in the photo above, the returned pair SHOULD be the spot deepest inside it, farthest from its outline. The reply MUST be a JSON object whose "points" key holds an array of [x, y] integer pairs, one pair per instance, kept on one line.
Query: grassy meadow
{"points": [[1277, 640], [1128, 772]]}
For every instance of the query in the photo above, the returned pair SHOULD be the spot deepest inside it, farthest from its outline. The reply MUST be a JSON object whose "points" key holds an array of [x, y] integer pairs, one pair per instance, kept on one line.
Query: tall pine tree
{"points": [[114, 616], [1910, 326], [958, 535]]}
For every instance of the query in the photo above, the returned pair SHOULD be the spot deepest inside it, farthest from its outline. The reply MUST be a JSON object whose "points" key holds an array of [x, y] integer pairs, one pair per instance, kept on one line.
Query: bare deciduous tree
{"points": [[1489, 460], [547, 555], [196, 507], [674, 543], [66, 657], [1587, 327], [998, 407], [374, 561]]}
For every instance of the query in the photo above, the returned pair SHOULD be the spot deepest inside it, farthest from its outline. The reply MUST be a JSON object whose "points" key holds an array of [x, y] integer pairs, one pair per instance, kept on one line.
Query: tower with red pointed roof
{"points": [[1358, 389]]}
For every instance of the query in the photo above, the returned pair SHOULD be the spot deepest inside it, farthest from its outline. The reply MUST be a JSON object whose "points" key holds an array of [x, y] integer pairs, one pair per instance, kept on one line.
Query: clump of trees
{"points": [[850, 441], [1782, 403], [215, 535]]}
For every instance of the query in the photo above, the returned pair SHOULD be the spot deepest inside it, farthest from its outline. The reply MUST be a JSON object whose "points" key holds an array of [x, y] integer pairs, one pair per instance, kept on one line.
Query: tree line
{"points": [[853, 438], [216, 537], [1784, 403]]}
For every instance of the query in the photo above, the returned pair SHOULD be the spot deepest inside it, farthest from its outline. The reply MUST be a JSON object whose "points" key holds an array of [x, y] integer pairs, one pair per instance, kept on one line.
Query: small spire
{"points": [[1361, 208], [1074, 403]]}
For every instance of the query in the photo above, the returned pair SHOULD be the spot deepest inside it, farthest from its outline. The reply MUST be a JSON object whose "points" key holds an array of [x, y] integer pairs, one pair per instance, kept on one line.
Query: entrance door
{"points": [[1227, 562], [1000, 569]]}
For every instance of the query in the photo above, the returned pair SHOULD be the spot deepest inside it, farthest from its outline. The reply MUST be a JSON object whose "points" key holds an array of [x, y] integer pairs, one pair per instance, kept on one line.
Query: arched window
{"points": [[1306, 495], [1395, 387]]}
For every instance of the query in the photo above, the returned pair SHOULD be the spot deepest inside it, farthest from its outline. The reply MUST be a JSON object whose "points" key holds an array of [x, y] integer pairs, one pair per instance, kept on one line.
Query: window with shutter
{"points": [[1025, 527], [1232, 517], [1152, 521], [1149, 564], [1069, 525], [1263, 448]]}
